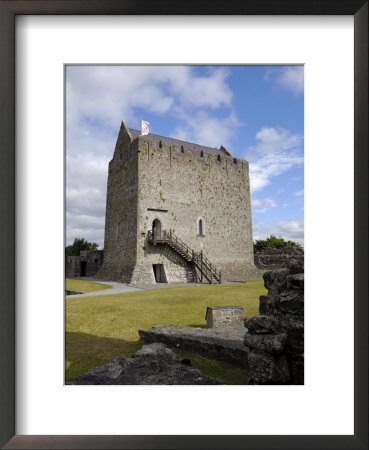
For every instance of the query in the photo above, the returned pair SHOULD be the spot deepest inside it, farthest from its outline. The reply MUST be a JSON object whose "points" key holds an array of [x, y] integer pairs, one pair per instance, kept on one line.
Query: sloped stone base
{"points": [[222, 343]]}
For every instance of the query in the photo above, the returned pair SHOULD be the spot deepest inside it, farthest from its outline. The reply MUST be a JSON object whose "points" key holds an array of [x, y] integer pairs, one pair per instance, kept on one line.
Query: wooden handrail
{"points": [[200, 261]]}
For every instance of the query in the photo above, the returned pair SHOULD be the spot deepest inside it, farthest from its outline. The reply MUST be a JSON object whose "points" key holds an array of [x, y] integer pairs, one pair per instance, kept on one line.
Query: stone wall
{"points": [[86, 264], [120, 245], [178, 185], [92, 261], [72, 267], [276, 258], [275, 338]]}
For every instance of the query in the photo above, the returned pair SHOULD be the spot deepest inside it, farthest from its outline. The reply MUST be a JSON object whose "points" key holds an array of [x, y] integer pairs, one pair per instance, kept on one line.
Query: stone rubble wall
{"points": [[276, 258], [275, 338]]}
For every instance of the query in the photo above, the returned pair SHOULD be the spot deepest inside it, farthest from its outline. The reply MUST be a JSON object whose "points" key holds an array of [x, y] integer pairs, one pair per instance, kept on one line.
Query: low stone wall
{"points": [[276, 258], [221, 343], [275, 338]]}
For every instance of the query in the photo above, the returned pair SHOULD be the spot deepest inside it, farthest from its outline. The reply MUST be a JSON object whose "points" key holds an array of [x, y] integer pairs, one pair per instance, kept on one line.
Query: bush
{"points": [[273, 242]]}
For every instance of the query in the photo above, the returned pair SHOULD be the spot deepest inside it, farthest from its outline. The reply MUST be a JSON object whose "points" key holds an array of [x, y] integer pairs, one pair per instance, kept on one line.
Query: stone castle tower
{"points": [[176, 212]]}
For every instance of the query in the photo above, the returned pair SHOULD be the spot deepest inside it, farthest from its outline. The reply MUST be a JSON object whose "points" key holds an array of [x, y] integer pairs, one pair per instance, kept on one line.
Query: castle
{"points": [[176, 212]]}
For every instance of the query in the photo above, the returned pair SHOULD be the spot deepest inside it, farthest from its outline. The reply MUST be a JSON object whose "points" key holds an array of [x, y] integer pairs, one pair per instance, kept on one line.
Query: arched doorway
{"points": [[156, 229]]}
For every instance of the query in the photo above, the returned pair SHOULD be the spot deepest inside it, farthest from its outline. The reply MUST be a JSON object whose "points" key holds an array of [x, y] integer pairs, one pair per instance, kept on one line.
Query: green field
{"points": [[73, 284], [100, 328]]}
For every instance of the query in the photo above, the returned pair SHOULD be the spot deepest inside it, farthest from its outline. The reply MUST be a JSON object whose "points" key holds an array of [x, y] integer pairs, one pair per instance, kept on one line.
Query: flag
{"points": [[144, 127]]}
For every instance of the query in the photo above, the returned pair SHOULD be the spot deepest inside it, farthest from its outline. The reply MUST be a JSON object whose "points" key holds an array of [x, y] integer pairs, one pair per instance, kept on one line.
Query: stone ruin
{"points": [[275, 338], [277, 258]]}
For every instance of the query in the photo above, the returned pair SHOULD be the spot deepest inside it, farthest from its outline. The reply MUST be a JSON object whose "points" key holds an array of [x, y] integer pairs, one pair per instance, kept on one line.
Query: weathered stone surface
{"points": [[270, 343], [276, 258], [153, 364], [296, 265], [222, 343], [218, 316], [267, 369], [291, 303], [275, 339], [261, 324], [296, 282], [296, 364], [268, 305], [276, 281]]}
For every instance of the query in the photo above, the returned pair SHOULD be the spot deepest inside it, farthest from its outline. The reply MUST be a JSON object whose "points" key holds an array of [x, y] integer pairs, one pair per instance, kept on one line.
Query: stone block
{"points": [[291, 303], [268, 369], [270, 343], [218, 316], [276, 280], [261, 324]]}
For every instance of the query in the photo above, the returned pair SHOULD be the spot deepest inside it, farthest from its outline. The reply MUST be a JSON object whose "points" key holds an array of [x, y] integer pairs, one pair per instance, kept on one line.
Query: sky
{"points": [[256, 112]]}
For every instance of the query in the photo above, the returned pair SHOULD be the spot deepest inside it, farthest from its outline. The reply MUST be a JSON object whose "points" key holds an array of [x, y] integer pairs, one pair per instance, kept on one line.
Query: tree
{"points": [[78, 245], [273, 242]]}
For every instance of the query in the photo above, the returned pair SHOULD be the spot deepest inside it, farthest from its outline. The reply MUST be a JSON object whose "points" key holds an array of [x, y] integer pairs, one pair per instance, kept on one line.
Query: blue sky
{"points": [[257, 112]]}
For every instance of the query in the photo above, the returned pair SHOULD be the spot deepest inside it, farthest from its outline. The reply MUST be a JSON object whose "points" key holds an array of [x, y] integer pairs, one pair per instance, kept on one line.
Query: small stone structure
{"points": [[276, 258], [153, 364], [218, 316], [275, 338], [85, 265]]}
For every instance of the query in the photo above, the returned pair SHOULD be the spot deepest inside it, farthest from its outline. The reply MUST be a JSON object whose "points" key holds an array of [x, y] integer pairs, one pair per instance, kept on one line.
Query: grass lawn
{"points": [[84, 286], [100, 328]]}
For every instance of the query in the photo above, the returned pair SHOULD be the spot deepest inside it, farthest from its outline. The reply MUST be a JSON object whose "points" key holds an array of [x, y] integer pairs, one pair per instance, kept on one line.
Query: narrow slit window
{"points": [[200, 228]]}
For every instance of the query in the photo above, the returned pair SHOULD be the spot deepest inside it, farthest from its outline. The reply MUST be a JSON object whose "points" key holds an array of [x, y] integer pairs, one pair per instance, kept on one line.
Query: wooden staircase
{"points": [[203, 265]]}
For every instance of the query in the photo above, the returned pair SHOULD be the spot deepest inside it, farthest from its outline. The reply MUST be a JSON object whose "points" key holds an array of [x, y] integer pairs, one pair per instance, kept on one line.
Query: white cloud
{"points": [[110, 93], [276, 152], [299, 193], [290, 78], [292, 230], [262, 205], [207, 130], [276, 139]]}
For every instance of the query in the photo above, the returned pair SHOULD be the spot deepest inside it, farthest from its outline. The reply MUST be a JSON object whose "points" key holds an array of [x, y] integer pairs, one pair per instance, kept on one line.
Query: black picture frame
{"points": [[8, 11]]}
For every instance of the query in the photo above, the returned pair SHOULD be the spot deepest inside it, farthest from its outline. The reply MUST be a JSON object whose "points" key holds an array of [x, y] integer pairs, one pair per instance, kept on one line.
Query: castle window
{"points": [[160, 144], [200, 227], [182, 149], [234, 160], [218, 158], [202, 154]]}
